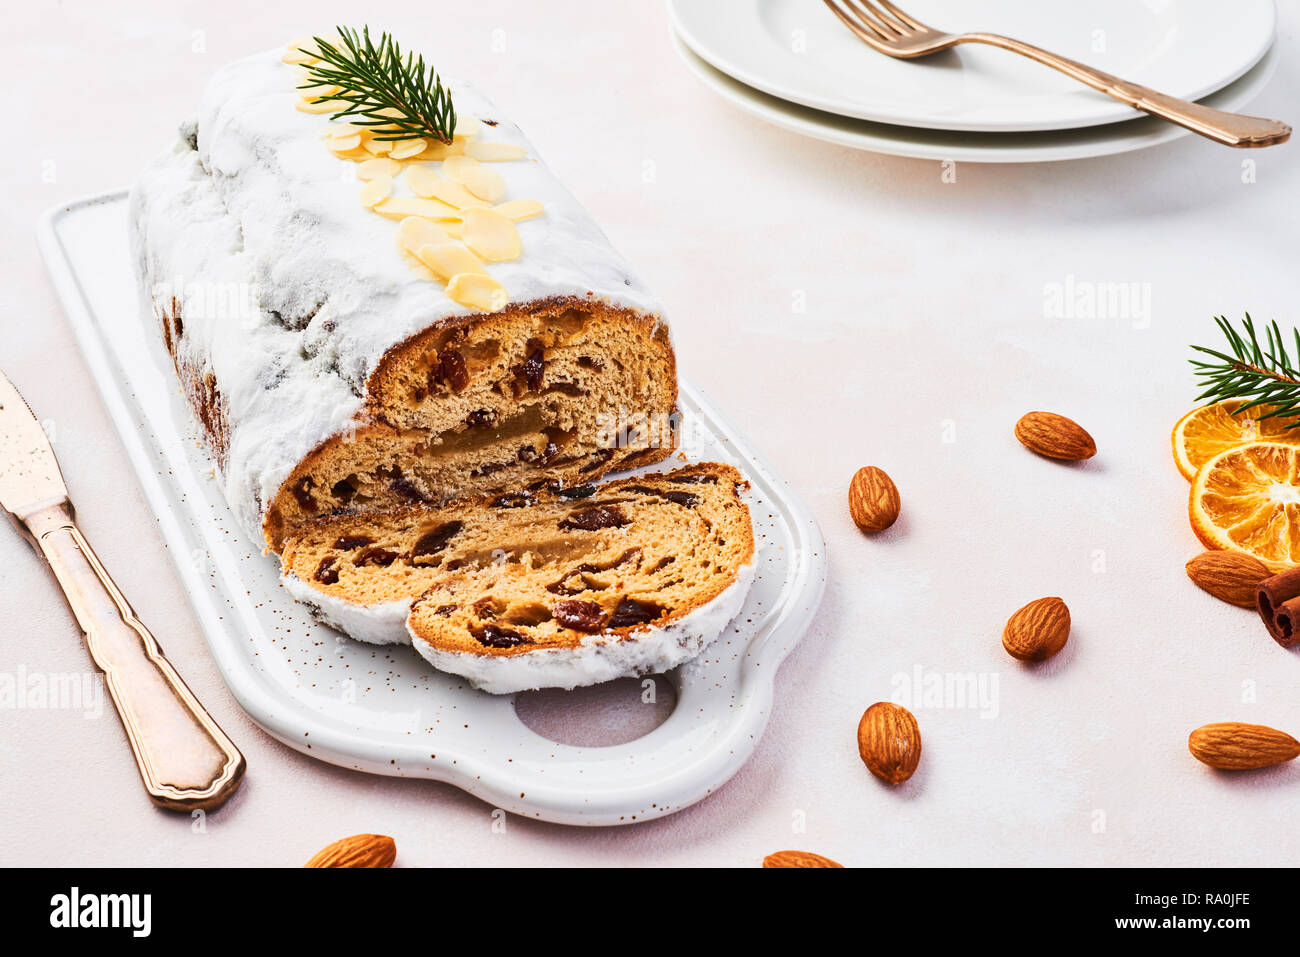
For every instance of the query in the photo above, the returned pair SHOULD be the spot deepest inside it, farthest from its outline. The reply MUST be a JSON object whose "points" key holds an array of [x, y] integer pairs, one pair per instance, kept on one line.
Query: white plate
{"points": [[972, 147], [798, 51], [382, 709]]}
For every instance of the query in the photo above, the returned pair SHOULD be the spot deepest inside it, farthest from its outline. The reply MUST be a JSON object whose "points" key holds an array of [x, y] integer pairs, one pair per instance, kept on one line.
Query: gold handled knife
{"points": [[185, 760]]}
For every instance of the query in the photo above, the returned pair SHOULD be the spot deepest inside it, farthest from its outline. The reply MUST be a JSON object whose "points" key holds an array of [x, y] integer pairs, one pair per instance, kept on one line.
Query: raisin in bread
{"points": [[330, 368], [553, 588]]}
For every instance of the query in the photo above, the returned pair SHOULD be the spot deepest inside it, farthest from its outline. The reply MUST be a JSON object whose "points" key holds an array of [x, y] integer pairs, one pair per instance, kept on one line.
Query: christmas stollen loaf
{"points": [[553, 588], [413, 359], [363, 325]]}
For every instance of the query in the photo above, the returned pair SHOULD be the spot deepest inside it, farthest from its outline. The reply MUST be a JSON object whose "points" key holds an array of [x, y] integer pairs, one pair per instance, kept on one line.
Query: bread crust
{"points": [[199, 385]]}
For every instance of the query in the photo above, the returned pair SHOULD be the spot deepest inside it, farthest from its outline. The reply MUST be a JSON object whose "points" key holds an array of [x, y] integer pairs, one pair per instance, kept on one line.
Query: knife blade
{"points": [[29, 473], [185, 760]]}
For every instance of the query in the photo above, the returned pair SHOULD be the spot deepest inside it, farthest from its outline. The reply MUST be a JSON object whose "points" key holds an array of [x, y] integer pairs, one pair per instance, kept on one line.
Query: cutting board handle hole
{"points": [[600, 716]]}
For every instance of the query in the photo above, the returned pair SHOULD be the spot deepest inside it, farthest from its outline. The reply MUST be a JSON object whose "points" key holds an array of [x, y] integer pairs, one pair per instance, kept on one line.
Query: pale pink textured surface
{"points": [[842, 309]]}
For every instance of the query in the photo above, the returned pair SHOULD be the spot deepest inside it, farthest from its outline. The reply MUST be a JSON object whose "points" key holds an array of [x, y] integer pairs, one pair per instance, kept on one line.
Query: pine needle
{"points": [[398, 96], [1260, 373]]}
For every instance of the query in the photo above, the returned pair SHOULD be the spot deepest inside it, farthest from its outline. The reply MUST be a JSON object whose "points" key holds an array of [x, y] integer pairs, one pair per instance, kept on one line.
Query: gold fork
{"points": [[884, 27]]}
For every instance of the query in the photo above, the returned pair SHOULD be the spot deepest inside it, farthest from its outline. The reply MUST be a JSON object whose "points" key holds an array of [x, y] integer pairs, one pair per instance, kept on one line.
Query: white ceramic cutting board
{"points": [[382, 709]]}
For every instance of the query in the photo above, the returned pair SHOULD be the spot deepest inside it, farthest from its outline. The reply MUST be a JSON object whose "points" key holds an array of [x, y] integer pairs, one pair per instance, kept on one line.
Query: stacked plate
{"points": [[794, 64]]}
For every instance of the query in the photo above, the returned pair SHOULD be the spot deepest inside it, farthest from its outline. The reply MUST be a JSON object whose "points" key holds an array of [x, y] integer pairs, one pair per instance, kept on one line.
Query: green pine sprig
{"points": [[1261, 373], [397, 95]]}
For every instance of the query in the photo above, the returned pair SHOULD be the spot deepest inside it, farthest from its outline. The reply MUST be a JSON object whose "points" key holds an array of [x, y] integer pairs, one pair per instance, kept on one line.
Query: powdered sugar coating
{"points": [[383, 623], [291, 292]]}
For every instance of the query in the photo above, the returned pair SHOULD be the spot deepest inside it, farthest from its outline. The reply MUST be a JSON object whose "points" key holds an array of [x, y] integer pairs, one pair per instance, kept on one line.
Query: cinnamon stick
{"points": [[1286, 619], [1276, 599]]}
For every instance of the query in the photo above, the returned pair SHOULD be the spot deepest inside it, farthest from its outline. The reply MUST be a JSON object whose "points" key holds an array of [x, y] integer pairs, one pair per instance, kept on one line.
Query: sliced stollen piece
{"points": [[541, 589], [362, 570], [330, 369], [635, 580]]}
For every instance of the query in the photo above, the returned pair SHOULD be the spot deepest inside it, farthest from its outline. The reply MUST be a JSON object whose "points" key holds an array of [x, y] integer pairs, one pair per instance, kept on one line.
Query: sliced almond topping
{"points": [[343, 141], [296, 52], [486, 151], [376, 191], [378, 166], [304, 50], [378, 147], [467, 126], [401, 207], [485, 183], [423, 179], [414, 232], [478, 291], [454, 167], [489, 234], [317, 90], [448, 259], [455, 194], [518, 209], [405, 149], [452, 227], [482, 182], [317, 106], [440, 151]]}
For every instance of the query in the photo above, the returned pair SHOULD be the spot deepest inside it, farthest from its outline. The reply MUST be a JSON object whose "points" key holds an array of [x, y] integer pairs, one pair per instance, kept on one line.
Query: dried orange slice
{"points": [[1247, 499], [1205, 432]]}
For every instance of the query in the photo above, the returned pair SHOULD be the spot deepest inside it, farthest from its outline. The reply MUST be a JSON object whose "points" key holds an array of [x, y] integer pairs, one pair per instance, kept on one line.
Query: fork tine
{"points": [[864, 29], [892, 24], [870, 19], [908, 19]]}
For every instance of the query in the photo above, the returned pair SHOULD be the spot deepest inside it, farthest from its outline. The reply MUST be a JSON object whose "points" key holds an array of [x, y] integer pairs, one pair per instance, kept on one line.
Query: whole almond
{"points": [[1228, 576], [1055, 436], [873, 499], [798, 859], [889, 742], [359, 850], [1037, 631], [1233, 746]]}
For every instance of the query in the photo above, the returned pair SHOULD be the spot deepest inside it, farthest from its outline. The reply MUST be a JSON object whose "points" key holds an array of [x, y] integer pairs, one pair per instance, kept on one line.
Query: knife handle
{"points": [[185, 760]]}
